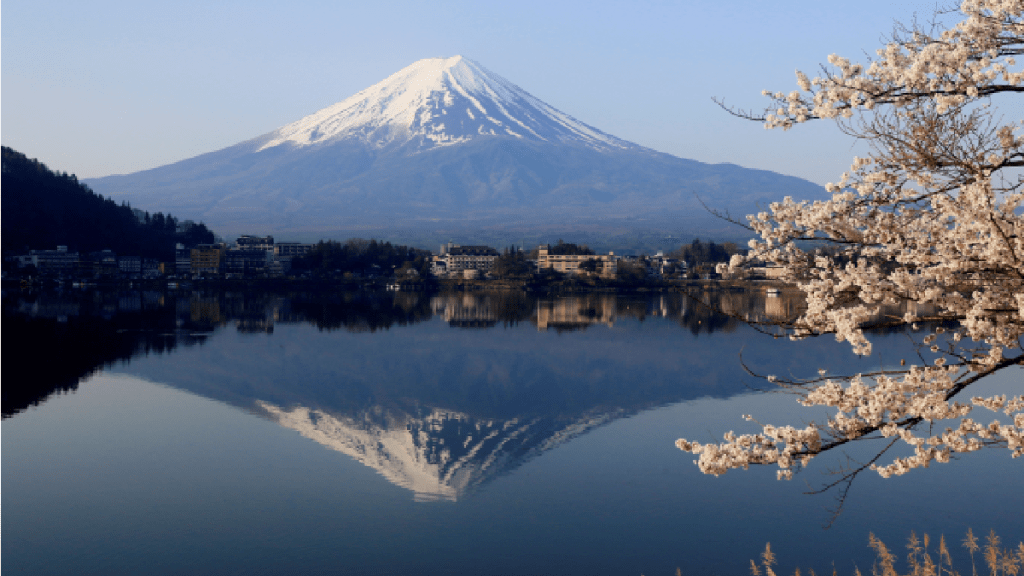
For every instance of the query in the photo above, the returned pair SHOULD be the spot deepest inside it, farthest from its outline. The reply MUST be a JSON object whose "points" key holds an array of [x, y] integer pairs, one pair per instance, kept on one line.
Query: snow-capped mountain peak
{"points": [[437, 102]]}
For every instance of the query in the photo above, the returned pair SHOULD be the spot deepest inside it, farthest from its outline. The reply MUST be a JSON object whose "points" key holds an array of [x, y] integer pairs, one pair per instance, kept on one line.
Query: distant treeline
{"points": [[697, 252], [43, 209], [563, 248], [365, 257]]}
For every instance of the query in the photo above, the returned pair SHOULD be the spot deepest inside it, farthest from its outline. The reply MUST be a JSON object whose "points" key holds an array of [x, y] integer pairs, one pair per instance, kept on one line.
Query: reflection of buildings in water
{"points": [[205, 310], [775, 306], [580, 311], [255, 325], [576, 312], [106, 304], [754, 306], [895, 313], [782, 306], [439, 455], [251, 315], [129, 303], [665, 308], [282, 312], [254, 316], [464, 310], [45, 308]]}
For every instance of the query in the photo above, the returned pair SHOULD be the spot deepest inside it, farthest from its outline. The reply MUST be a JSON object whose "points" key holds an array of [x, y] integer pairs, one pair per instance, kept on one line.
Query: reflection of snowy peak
{"points": [[439, 455], [440, 101]]}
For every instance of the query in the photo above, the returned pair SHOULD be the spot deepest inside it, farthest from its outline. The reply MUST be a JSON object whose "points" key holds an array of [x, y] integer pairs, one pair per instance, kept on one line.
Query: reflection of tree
{"points": [[724, 310], [50, 350], [360, 311], [512, 307], [704, 319]]}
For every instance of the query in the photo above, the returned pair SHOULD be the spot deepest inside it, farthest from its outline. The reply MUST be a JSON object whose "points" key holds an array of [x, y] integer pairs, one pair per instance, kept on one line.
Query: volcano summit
{"points": [[441, 102], [445, 146]]}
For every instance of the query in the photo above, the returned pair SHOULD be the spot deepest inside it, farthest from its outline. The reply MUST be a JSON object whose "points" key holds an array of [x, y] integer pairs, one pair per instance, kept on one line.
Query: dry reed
{"points": [[922, 559]]}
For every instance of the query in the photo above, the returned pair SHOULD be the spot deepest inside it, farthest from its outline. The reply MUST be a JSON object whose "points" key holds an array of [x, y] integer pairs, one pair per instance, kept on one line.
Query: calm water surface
{"points": [[430, 434]]}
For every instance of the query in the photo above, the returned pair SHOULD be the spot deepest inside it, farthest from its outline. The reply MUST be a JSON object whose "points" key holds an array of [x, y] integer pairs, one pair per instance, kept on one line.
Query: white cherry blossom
{"points": [[933, 220]]}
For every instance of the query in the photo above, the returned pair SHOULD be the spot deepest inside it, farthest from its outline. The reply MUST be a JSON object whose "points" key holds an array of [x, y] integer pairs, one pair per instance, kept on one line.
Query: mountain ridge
{"points": [[443, 146]]}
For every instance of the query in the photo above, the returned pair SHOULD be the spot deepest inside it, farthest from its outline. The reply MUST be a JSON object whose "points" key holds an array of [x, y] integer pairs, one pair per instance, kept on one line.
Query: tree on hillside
{"points": [[44, 208], [931, 218]]}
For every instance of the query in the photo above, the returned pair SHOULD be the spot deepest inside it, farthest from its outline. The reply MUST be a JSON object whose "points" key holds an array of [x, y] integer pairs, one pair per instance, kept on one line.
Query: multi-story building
{"points": [[438, 267], [458, 259], [208, 258], [247, 261], [662, 266], [182, 259], [265, 243], [606, 264], [54, 261], [291, 249], [99, 263], [284, 252], [129, 264], [152, 268]]}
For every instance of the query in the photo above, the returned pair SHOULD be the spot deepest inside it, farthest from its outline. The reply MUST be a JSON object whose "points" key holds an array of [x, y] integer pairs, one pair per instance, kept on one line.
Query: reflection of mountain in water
{"points": [[437, 454], [434, 410]]}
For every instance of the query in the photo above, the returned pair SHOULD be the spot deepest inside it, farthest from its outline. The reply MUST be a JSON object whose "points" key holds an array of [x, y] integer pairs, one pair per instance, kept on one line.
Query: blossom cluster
{"points": [[932, 219]]}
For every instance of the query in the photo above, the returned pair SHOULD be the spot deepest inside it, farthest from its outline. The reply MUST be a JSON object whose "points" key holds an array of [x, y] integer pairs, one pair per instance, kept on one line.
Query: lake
{"points": [[415, 433]]}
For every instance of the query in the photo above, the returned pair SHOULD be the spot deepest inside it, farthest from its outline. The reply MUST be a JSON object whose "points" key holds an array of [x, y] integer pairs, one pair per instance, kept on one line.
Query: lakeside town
{"points": [[255, 258]]}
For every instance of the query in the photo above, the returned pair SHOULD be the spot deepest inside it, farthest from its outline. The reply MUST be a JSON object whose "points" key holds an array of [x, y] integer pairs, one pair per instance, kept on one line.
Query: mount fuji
{"points": [[442, 147]]}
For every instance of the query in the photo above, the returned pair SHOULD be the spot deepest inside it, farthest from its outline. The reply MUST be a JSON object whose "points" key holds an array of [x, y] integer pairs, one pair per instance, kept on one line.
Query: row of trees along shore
{"points": [[364, 257], [933, 217], [43, 209]]}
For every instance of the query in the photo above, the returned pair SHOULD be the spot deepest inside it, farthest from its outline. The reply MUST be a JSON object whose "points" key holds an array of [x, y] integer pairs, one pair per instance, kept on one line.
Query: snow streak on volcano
{"points": [[441, 101]]}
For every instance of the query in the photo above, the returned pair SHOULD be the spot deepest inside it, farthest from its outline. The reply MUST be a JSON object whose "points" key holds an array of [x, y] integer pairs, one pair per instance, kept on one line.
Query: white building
{"points": [[457, 259]]}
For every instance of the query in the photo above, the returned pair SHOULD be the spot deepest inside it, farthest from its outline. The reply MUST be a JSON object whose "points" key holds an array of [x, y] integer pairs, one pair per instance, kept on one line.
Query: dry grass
{"points": [[922, 559]]}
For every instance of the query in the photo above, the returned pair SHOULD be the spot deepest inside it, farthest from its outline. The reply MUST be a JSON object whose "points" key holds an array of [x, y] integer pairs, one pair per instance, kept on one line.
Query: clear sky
{"points": [[115, 86]]}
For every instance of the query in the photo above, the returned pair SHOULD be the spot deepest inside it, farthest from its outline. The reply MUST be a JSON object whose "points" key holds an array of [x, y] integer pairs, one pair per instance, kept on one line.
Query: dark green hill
{"points": [[43, 208]]}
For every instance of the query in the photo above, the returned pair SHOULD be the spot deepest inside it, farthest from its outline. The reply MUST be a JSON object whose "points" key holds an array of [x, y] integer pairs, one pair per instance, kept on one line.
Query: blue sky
{"points": [[111, 86]]}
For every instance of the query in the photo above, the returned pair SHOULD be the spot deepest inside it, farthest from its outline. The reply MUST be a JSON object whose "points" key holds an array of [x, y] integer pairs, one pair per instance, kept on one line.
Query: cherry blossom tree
{"points": [[931, 222]]}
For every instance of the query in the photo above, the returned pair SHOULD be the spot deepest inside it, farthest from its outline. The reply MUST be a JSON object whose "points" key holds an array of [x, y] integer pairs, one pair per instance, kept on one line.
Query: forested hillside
{"points": [[43, 208]]}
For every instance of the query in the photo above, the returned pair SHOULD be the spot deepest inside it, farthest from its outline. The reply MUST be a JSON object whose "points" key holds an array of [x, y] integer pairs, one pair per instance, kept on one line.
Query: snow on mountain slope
{"points": [[437, 102], [440, 455]]}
